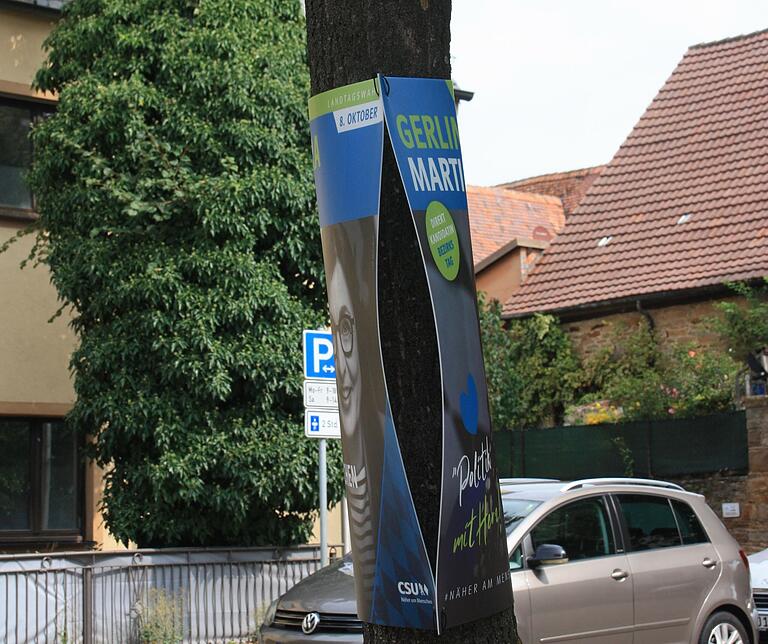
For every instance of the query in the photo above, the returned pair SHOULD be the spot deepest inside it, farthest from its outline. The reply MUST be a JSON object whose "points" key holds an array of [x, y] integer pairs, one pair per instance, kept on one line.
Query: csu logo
{"points": [[309, 623], [412, 588]]}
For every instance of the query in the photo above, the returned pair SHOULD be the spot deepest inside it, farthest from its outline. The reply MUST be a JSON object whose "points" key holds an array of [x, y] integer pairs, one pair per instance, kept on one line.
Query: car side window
{"points": [[582, 528], [650, 521], [690, 527], [516, 559]]}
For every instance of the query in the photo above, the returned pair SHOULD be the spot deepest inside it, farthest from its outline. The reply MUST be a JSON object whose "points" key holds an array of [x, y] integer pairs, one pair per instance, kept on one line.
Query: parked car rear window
{"points": [[582, 528], [650, 521], [690, 526]]}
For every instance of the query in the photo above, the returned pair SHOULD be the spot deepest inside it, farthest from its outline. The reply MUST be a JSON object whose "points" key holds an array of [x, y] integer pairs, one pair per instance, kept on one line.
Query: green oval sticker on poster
{"points": [[443, 240]]}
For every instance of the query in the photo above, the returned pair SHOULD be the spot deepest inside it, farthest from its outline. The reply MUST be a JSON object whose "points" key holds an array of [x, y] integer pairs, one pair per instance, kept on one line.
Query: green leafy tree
{"points": [[744, 323], [531, 368], [505, 384], [627, 373], [545, 358], [175, 190], [631, 351], [646, 381]]}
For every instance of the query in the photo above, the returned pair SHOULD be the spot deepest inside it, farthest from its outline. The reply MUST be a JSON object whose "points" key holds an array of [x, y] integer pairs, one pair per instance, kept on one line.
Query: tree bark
{"points": [[350, 41]]}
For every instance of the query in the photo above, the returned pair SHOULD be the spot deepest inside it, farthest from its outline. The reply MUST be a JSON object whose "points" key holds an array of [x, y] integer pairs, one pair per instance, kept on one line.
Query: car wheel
{"points": [[723, 628]]}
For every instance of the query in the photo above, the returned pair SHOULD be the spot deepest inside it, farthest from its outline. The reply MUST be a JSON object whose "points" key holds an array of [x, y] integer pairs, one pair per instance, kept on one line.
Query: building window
{"points": [[41, 481], [16, 118]]}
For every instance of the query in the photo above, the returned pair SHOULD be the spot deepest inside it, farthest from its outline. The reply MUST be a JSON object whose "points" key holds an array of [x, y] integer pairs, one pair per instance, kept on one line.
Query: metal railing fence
{"points": [[126, 597]]}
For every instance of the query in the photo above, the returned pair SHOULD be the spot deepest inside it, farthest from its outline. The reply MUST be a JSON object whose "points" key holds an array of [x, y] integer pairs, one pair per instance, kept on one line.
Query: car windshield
{"points": [[515, 510]]}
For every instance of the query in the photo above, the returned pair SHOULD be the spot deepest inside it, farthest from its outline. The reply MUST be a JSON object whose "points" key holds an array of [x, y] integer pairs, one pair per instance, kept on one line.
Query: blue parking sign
{"points": [[318, 355]]}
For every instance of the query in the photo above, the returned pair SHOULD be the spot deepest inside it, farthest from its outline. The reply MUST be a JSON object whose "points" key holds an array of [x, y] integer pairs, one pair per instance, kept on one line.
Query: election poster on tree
{"points": [[398, 582]]}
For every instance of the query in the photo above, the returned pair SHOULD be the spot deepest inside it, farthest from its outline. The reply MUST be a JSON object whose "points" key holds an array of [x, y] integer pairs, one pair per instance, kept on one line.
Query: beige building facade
{"points": [[49, 495]]}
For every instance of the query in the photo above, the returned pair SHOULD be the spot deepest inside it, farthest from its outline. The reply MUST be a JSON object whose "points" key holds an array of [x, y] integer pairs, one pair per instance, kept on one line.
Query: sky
{"points": [[559, 84]]}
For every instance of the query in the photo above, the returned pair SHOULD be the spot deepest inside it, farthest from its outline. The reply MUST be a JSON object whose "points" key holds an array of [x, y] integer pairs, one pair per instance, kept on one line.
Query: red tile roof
{"points": [[570, 186], [699, 150], [498, 216]]}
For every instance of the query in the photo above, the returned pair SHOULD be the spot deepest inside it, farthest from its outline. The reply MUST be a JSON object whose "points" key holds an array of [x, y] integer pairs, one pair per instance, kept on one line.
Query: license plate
{"points": [[762, 622]]}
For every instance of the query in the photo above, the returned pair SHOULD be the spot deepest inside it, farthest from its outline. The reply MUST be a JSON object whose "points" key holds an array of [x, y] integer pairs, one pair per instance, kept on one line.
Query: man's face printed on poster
{"points": [[347, 360]]}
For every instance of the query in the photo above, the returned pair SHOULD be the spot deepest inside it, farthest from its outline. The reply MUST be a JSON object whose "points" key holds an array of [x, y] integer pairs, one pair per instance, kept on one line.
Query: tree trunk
{"points": [[350, 41]]}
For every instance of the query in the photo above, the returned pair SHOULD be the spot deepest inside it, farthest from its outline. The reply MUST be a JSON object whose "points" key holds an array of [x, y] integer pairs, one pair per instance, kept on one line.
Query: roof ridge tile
{"points": [[731, 39]]}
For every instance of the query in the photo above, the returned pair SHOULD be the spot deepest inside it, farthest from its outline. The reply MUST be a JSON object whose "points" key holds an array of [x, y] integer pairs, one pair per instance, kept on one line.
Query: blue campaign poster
{"points": [[395, 583], [393, 579]]}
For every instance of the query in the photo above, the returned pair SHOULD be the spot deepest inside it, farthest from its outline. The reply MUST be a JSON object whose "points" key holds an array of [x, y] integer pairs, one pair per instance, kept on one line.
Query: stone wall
{"points": [[680, 323], [749, 491]]}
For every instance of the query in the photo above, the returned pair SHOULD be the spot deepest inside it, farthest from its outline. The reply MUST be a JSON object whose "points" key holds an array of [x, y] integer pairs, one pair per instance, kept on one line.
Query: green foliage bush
{"points": [[504, 383], [175, 190], [534, 375], [744, 323], [647, 382], [161, 617], [531, 368], [704, 381]]}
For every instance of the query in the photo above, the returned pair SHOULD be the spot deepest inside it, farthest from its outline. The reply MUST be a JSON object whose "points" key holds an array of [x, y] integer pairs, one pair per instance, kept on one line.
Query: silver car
{"points": [[758, 564], [598, 561]]}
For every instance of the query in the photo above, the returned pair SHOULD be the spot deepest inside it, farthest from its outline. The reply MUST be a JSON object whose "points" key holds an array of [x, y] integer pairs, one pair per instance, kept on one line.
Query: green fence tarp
{"points": [[666, 448]]}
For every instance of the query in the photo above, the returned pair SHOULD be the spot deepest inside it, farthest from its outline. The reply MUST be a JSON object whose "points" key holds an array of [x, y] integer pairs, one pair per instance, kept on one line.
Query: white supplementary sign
{"points": [[321, 423], [731, 510], [320, 394]]}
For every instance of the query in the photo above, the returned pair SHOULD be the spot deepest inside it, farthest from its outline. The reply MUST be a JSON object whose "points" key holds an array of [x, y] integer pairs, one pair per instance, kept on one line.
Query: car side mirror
{"points": [[548, 554]]}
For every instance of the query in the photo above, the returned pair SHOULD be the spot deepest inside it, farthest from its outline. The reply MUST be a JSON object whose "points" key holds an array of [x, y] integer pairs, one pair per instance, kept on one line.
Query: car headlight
{"points": [[269, 616]]}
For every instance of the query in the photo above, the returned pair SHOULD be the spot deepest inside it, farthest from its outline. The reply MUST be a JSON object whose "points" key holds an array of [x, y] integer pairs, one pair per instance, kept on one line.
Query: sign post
{"points": [[321, 413], [323, 503]]}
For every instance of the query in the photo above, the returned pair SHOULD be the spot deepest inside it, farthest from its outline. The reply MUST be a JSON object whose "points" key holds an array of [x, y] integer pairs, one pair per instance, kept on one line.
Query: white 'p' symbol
{"points": [[323, 351]]}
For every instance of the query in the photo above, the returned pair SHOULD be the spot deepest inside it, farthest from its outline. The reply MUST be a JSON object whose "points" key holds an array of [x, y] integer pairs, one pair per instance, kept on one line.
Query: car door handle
{"points": [[708, 563], [619, 575]]}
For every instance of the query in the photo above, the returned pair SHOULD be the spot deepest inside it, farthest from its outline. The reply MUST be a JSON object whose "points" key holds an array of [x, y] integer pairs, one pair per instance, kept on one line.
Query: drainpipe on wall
{"points": [[646, 315]]}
